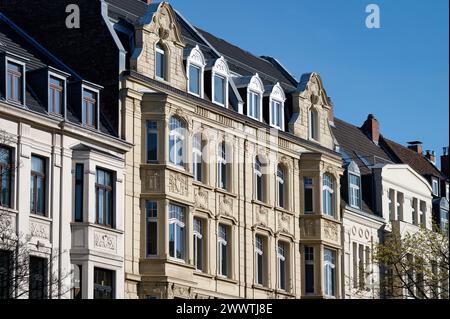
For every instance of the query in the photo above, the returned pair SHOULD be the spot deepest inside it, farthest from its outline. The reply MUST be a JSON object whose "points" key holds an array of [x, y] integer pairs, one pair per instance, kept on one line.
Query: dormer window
{"points": [[276, 100], [254, 105], [89, 109], [354, 185], [435, 186], [160, 58], [255, 91], [56, 95], [15, 82], [195, 68], [220, 74]]}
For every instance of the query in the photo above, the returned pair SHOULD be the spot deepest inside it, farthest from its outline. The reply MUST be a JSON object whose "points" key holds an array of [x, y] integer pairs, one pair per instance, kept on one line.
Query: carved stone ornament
{"points": [[178, 184], [330, 231], [262, 216], [226, 206], [39, 230], [308, 227], [201, 199], [152, 180], [104, 241]]}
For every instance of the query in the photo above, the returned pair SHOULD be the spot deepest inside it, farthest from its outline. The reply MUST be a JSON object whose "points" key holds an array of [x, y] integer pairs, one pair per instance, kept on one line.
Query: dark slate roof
{"points": [[130, 10], [358, 147], [245, 63], [419, 163], [17, 42]]}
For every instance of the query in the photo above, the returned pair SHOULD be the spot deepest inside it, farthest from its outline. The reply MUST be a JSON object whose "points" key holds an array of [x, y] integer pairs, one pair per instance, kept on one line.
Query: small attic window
{"points": [[220, 75], [15, 82], [160, 61], [195, 70], [89, 108], [255, 91], [56, 95], [276, 100]]}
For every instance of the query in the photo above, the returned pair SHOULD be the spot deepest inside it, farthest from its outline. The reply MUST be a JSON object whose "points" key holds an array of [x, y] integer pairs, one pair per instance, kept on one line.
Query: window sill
{"points": [[225, 192], [202, 274], [263, 288], [179, 262], [202, 185], [43, 218], [225, 279], [257, 202], [179, 169], [284, 210], [15, 102], [8, 210], [93, 225]]}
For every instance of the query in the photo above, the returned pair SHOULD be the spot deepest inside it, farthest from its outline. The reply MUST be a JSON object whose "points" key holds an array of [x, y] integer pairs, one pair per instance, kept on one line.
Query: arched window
{"points": [[259, 192], [177, 240], [281, 257], [197, 158], [313, 124], [281, 187], [328, 195], [354, 185], [223, 251], [222, 167], [259, 260], [176, 141], [220, 74], [160, 61], [277, 98]]}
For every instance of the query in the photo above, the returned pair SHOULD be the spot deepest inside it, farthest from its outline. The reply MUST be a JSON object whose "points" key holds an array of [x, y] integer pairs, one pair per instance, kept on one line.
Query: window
{"points": [[280, 187], [38, 278], [254, 102], [391, 201], [198, 243], [177, 238], [447, 191], [277, 114], [354, 190], [309, 270], [160, 62], [313, 124], [399, 205], [103, 284], [151, 212], [176, 141], [258, 180], [5, 274], [259, 260], [77, 282], [223, 243], [328, 195], [15, 82], [38, 185], [329, 272], [435, 186], [56, 95], [194, 79], [152, 141], [281, 257], [308, 200], [79, 191], [415, 215], [219, 90], [222, 167], [104, 197], [5, 176], [89, 110], [197, 160], [423, 213], [444, 220]]}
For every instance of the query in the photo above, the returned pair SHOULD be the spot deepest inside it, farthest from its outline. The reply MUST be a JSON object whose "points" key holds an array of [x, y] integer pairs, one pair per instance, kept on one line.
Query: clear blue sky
{"points": [[399, 72]]}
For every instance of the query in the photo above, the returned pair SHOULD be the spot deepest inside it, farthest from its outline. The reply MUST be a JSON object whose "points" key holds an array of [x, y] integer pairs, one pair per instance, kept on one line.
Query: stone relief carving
{"points": [[284, 221], [262, 216], [178, 184], [179, 291], [201, 199], [308, 227], [152, 180], [226, 206], [330, 231], [39, 230], [104, 241]]}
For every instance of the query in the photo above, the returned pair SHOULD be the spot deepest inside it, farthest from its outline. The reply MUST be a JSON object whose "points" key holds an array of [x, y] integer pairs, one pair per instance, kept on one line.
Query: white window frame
{"points": [[64, 80], [354, 201], [277, 95], [281, 256], [220, 69], [197, 152], [223, 245], [222, 160], [151, 219], [327, 189], [435, 186], [196, 59], [163, 52], [97, 107], [24, 80], [198, 235], [176, 134], [328, 266], [259, 178], [281, 182], [447, 191], [259, 254], [177, 223]]}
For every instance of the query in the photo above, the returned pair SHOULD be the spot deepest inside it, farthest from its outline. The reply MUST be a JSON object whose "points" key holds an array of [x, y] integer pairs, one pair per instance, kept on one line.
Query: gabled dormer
{"points": [[273, 105], [252, 88], [13, 78], [195, 69], [50, 85], [84, 99], [219, 74]]}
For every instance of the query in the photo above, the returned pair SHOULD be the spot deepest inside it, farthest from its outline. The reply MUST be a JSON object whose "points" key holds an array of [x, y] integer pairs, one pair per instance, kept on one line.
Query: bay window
{"points": [[259, 260], [282, 268], [177, 237], [38, 272], [328, 195], [103, 283], [79, 191], [223, 250], [104, 197], [309, 270], [152, 141], [5, 176], [177, 136], [15, 82], [329, 272], [151, 212], [308, 194], [198, 244], [38, 185]]}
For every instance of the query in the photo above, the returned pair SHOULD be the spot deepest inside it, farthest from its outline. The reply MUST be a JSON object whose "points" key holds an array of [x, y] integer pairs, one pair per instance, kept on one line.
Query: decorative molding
{"points": [[262, 216], [202, 198], [308, 227], [225, 205], [331, 231], [178, 184], [284, 222], [39, 230], [152, 180], [104, 241]]}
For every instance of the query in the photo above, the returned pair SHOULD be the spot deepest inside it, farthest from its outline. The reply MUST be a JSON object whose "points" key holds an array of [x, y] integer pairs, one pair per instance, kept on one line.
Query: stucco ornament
{"points": [[104, 241], [201, 199], [226, 206], [331, 231], [178, 184]]}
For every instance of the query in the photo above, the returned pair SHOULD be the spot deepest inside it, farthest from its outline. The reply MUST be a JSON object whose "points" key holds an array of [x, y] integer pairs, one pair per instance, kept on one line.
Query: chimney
{"points": [[444, 162], [416, 146], [431, 156], [371, 128]]}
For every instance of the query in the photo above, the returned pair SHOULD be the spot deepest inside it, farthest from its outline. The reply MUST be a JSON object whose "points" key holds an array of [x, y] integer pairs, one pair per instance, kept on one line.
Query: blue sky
{"points": [[398, 72]]}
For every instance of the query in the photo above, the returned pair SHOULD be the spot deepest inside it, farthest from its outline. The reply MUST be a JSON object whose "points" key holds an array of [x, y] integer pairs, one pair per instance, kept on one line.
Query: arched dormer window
{"points": [[255, 91], [328, 195], [354, 185], [195, 67], [313, 118], [177, 141], [219, 80], [276, 102], [160, 62]]}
